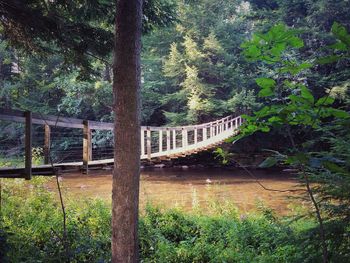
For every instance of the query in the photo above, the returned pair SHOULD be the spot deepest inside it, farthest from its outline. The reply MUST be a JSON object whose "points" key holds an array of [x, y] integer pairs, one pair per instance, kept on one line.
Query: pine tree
{"points": [[192, 52], [173, 65], [198, 95]]}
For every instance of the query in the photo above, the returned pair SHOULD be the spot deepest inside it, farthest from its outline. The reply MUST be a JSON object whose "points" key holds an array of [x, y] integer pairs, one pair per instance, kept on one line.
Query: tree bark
{"points": [[126, 90]]}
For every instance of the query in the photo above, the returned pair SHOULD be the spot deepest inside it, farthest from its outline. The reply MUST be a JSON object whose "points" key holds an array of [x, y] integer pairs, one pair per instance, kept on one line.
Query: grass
{"points": [[18, 161], [11, 162]]}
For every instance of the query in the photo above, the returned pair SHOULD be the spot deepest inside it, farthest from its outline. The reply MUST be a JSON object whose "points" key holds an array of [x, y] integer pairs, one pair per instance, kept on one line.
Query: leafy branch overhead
{"points": [[78, 29]]}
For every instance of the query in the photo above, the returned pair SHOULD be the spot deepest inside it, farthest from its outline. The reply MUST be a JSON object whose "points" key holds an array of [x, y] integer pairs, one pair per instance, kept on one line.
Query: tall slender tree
{"points": [[126, 87]]}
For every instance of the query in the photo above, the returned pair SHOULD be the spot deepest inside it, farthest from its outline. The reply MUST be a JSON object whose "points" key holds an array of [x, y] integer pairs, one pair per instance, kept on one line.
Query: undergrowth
{"points": [[31, 231]]}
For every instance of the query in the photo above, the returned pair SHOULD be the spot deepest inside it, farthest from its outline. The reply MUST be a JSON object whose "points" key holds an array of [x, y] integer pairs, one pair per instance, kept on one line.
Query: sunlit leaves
{"points": [[270, 46], [275, 120], [267, 86], [265, 82], [223, 155]]}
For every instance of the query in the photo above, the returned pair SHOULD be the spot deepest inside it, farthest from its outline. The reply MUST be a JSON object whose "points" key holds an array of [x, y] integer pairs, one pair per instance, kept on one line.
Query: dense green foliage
{"points": [[193, 70], [32, 231], [316, 128]]}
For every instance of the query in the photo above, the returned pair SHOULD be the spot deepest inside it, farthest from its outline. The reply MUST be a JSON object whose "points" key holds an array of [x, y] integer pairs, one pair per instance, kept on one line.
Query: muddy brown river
{"points": [[193, 188]]}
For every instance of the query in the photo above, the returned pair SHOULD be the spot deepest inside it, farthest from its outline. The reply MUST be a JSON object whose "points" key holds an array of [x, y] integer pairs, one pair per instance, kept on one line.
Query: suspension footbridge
{"points": [[33, 143]]}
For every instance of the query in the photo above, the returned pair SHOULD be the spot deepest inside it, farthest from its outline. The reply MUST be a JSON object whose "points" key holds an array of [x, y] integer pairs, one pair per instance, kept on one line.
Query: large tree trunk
{"points": [[126, 88]]}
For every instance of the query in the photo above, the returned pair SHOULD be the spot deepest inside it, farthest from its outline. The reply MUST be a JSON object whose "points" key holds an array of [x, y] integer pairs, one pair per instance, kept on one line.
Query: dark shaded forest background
{"points": [[193, 70]]}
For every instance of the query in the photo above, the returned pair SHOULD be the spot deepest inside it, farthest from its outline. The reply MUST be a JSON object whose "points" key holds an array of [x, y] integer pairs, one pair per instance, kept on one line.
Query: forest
{"points": [[282, 65]]}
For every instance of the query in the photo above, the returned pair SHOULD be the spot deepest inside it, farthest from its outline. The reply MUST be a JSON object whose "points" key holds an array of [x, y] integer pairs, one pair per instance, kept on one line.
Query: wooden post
{"points": [[184, 138], [205, 133], [168, 140], [160, 140], [28, 145], [87, 145], [196, 135], [47, 144], [174, 139], [149, 139], [142, 142]]}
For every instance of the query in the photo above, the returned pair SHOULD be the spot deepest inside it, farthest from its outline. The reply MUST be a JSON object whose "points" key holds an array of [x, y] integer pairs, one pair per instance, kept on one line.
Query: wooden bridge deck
{"points": [[157, 143]]}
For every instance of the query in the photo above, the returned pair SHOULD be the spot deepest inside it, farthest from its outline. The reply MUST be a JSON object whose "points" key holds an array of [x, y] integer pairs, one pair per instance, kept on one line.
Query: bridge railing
{"points": [[82, 138], [168, 141]]}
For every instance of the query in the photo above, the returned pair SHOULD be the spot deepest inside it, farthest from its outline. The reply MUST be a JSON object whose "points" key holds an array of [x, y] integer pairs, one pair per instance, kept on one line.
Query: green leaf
{"points": [[295, 98], [275, 119], [263, 112], [268, 162], [326, 100], [251, 128], [296, 42], [295, 69], [339, 46], [305, 65], [252, 51], [266, 92], [267, 86], [246, 117], [339, 113], [297, 159], [266, 82], [306, 94], [329, 59], [341, 33], [265, 129], [277, 49]]}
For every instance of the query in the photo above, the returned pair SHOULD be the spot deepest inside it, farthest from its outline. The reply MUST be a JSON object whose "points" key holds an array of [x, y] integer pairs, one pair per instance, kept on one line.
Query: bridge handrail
{"points": [[191, 127]]}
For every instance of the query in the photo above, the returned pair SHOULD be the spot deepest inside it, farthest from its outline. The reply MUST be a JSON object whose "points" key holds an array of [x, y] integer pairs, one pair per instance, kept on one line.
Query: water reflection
{"points": [[193, 188]]}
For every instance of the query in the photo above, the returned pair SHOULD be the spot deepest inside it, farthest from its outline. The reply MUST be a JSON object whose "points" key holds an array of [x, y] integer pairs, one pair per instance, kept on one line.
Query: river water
{"points": [[193, 188]]}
